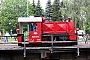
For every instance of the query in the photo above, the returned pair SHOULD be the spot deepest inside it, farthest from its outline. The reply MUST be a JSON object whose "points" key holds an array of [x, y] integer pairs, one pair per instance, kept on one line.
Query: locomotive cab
{"points": [[29, 29]]}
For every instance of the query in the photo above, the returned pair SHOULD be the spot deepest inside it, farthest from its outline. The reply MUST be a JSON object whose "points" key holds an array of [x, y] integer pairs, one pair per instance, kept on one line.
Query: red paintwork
{"points": [[70, 26], [50, 28], [55, 27], [72, 37], [35, 36], [19, 38], [18, 31], [58, 27]]}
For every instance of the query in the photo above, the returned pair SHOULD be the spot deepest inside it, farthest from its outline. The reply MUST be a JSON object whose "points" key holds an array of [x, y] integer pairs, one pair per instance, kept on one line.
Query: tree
{"points": [[0, 14], [79, 10], [65, 9], [73, 9], [11, 11], [34, 6], [48, 10], [38, 11], [76, 13], [87, 16], [56, 12]]}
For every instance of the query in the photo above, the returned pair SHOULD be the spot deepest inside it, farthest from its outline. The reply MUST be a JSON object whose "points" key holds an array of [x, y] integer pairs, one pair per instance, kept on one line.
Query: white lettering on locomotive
{"points": [[35, 36]]}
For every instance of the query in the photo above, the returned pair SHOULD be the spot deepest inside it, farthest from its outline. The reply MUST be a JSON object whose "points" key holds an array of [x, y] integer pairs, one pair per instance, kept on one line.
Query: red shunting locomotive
{"points": [[43, 33]]}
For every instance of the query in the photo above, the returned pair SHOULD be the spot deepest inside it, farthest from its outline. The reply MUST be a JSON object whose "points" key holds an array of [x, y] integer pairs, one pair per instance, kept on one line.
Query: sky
{"points": [[43, 2]]}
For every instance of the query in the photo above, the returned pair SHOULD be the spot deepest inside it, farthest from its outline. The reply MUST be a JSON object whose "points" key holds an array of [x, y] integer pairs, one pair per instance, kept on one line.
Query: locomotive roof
{"points": [[30, 19]]}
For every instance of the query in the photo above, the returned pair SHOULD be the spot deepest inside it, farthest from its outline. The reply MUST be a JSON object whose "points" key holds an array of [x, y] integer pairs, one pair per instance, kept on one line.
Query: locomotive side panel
{"points": [[48, 27], [72, 35], [55, 28], [60, 27], [70, 27]]}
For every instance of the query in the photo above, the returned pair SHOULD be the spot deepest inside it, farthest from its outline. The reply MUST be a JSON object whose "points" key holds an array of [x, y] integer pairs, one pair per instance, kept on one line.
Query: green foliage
{"points": [[48, 11], [38, 10], [64, 10], [56, 12], [87, 16], [79, 11], [34, 6], [11, 11]]}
